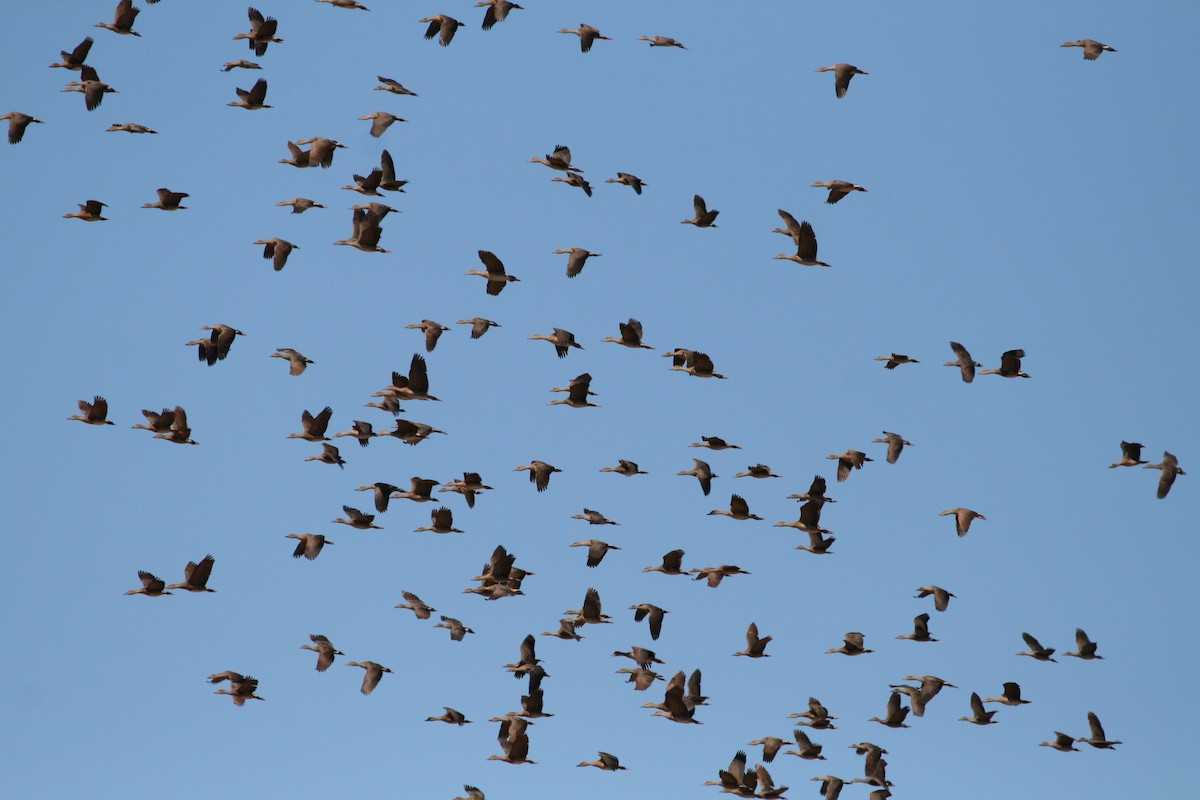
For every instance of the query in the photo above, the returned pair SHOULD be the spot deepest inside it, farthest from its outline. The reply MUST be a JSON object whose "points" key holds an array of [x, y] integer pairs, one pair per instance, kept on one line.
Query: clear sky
{"points": [[1019, 197]]}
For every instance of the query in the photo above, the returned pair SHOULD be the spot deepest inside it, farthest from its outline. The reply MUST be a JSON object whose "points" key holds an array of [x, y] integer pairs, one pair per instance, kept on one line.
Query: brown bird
{"points": [[497, 11], [93, 413], [576, 180], [640, 656], [842, 73], [470, 485], [152, 586], [838, 189], [178, 432], [1036, 650], [374, 674], [18, 122], [297, 362], [714, 575], [560, 159], [1085, 647], [703, 473], [479, 325], [703, 217], [851, 459], [314, 427], [433, 331], [587, 36], [576, 258], [563, 341], [357, 519], [757, 471], [664, 41], [239, 64], [442, 26], [1010, 365], [329, 455], [241, 688], [421, 490], [74, 59], [416, 605], [979, 716], [1062, 742], [896, 359], [671, 564], [632, 181], [895, 443], [651, 612], [596, 551], [755, 646], [456, 628], [91, 87], [852, 646], [539, 473], [1131, 455], [920, 630], [1097, 739], [276, 250], [451, 717], [806, 243], [626, 468], [122, 22], [441, 521], [393, 86], [1170, 470], [715, 443], [805, 748], [738, 509], [262, 32], [964, 362], [963, 517], [607, 761], [381, 121], [300, 204], [941, 598], [1091, 48], [497, 278], [251, 99], [324, 649], [577, 393], [693, 362], [168, 200], [310, 544], [1011, 696], [591, 612], [896, 713]]}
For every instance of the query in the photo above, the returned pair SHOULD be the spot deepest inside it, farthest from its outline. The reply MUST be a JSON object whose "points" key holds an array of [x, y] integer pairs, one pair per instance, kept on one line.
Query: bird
{"points": [[472, 792], [347, 4], [411, 433], [757, 471], [596, 551], [755, 645], [374, 674], [815, 493], [364, 432], [324, 649], [1010, 696], [566, 630], [632, 181], [715, 443], [920, 630], [1097, 739], [442, 26], [314, 426], [416, 605], [366, 232], [152, 586], [941, 598], [817, 544], [168, 200], [93, 413], [310, 544], [74, 59], [671, 564], [493, 270], [469, 486], [357, 519], [1062, 742], [662, 41], [591, 614], [587, 36], [703, 217], [577, 393], [368, 185], [560, 159], [816, 712], [239, 64], [806, 246], [676, 706], [382, 120], [714, 575], [514, 743], [1010, 365], [18, 122], [640, 656], [219, 343], [456, 628], [251, 99], [842, 73], [262, 32], [156, 421], [393, 86], [626, 468], [642, 679], [329, 455], [1170, 470], [129, 127], [539, 473], [1036, 650], [296, 360], [241, 688], [896, 359], [810, 520], [451, 717], [920, 696], [178, 432], [497, 11], [277, 250], [91, 87], [441, 521], [693, 362], [963, 517], [607, 761], [1091, 48], [831, 786], [122, 22], [321, 151], [978, 715], [896, 713], [563, 341], [851, 459], [576, 180], [805, 748], [702, 472], [838, 189], [433, 330], [479, 325], [1131, 455], [852, 646], [594, 518], [421, 491], [1085, 647], [895, 443], [576, 259], [651, 612], [414, 386], [738, 509], [770, 745], [964, 362]]}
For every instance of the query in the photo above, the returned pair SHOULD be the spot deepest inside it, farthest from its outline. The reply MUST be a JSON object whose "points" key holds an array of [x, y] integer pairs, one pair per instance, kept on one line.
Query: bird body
{"points": [[842, 73], [1091, 48]]}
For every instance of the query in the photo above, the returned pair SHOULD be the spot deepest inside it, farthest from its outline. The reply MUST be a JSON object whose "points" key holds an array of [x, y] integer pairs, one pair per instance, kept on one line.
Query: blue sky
{"points": [[1019, 197]]}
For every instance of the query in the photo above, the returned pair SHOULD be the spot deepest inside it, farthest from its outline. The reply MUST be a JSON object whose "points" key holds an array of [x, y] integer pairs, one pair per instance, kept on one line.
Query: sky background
{"points": [[1020, 197]]}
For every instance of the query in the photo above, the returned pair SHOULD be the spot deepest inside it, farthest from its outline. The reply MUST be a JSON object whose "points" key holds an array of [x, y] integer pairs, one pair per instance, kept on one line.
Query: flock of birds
{"points": [[682, 699]]}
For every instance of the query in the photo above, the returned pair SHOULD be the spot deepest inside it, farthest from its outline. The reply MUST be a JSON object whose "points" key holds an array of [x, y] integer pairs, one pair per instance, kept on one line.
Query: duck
{"points": [[896, 359], [539, 473], [1131, 455], [456, 628], [757, 471], [632, 181], [838, 189], [381, 121], [442, 26], [168, 200], [587, 36], [324, 649], [241, 63], [560, 159], [817, 544], [815, 493], [805, 748], [1085, 648], [591, 613], [329, 455], [963, 517], [715, 443], [433, 331], [626, 468], [597, 549], [374, 674], [574, 179], [806, 247], [694, 363], [421, 490], [755, 645], [297, 361], [277, 250], [1010, 696], [347, 4], [672, 564], [91, 87], [74, 59], [93, 413], [18, 122], [252, 99], [563, 340], [651, 612], [497, 277], [441, 521], [1097, 739], [661, 41], [607, 761], [964, 362], [156, 421], [178, 432], [152, 586], [1170, 470], [896, 713], [714, 575], [577, 393], [357, 519], [920, 630], [1010, 365], [576, 259], [640, 656], [366, 233], [1062, 743], [479, 325], [262, 32], [851, 459], [941, 597], [310, 544], [852, 645], [1036, 651], [703, 473], [738, 509], [314, 426], [497, 11], [321, 150], [416, 605], [1091, 48], [393, 86], [703, 217], [242, 688], [842, 73], [123, 18], [895, 443], [450, 717]]}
